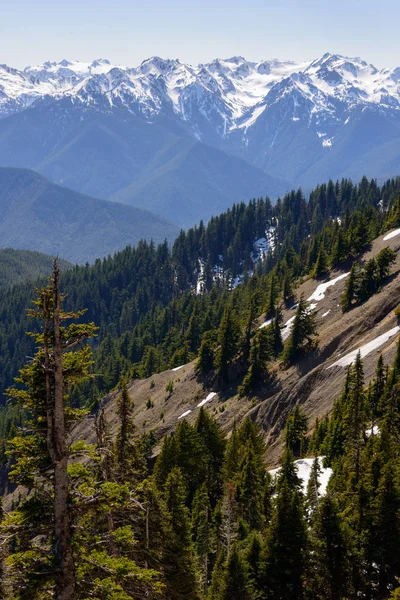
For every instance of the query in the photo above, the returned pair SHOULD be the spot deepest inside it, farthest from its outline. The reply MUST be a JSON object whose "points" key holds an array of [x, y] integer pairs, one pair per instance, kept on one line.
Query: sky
{"points": [[128, 31]]}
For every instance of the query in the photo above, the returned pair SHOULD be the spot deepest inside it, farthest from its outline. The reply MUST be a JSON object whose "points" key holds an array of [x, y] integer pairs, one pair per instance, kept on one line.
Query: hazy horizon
{"points": [[128, 32]]}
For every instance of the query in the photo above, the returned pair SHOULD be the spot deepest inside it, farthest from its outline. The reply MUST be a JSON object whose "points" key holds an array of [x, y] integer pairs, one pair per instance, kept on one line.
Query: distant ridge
{"points": [[36, 214]]}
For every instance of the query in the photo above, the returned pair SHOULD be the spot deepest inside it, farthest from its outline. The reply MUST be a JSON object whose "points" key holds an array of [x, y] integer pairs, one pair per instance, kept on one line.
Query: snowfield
{"points": [[366, 349], [303, 466]]}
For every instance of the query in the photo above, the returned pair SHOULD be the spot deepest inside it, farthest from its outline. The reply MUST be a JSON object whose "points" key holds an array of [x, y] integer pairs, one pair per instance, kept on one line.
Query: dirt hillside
{"points": [[314, 383]]}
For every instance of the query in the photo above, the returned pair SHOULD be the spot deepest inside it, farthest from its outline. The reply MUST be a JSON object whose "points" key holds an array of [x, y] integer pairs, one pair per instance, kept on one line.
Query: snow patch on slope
{"points": [[391, 235], [366, 349], [303, 466], [319, 293]]}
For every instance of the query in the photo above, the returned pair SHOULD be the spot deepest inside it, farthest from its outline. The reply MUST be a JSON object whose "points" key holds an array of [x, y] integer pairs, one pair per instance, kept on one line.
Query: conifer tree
{"points": [[386, 529], [206, 357], [351, 287], [258, 373], [295, 431], [236, 584], [252, 556], [250, 489], [228, 337], [302, 335], [393, 218], [287, 288], [181, 574], [339, 250], [321, 266], [313, 485], [213, 443], [284, 554], [202, 533], [126, 450], [329, 568], [60, 362]]}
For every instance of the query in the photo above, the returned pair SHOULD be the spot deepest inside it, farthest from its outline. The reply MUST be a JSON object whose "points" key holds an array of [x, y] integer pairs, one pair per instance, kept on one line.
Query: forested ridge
{"points": [[143, 298], [18, 266]]}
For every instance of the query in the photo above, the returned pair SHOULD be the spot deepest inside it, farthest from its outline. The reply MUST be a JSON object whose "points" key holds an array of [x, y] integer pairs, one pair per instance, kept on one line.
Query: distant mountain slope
{"points": [[36, 214], [193, 181], [116, 155], [106, 130], [17, 266]]}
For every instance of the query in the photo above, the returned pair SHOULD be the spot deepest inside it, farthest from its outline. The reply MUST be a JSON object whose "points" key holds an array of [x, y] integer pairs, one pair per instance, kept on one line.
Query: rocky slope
{"points": [[315, 382]]}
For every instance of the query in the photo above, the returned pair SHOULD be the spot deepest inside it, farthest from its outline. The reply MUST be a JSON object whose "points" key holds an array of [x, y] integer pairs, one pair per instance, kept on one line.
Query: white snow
{"points": [[209, 397], [287, 328], [326, 313], [319, 293], [391, 235], [266, 324], [372, 431], [177, 368], [304, 466], [185, 414], [231, 94], [366, 349]]}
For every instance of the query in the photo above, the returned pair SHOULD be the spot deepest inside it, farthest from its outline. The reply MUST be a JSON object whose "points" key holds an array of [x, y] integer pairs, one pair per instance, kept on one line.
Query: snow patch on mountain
{"points": [[366, 348], [303, 467]]}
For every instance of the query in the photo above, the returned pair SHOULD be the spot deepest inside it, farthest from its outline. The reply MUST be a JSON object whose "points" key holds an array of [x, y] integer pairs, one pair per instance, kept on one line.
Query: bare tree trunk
{"points": [[66, 581], [49, 398]]}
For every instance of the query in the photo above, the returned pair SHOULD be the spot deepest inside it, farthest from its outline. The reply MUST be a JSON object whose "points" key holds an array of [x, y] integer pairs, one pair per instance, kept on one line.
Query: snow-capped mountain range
{"points": [[142, 135], [230, 94]]}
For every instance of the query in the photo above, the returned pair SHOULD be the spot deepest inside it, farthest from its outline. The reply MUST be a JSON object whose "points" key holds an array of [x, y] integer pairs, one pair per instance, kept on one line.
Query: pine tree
{"points": [[60, 362], [202, 533], [295, 431], [258, 373], [228, 337], [127, 453], [393, 218], [302, 335], [321, 266], [339, 250], [386, 530], [236, 584], [250, 489], [181, 575], [350, 291], [313, 485], [205, 362], [214, 444], [287, 288], [329, 568], [284, 554]]}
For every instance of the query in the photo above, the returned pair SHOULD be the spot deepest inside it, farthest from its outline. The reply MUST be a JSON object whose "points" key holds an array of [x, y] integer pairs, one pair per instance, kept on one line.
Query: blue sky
{"points": [[127, 31]]}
